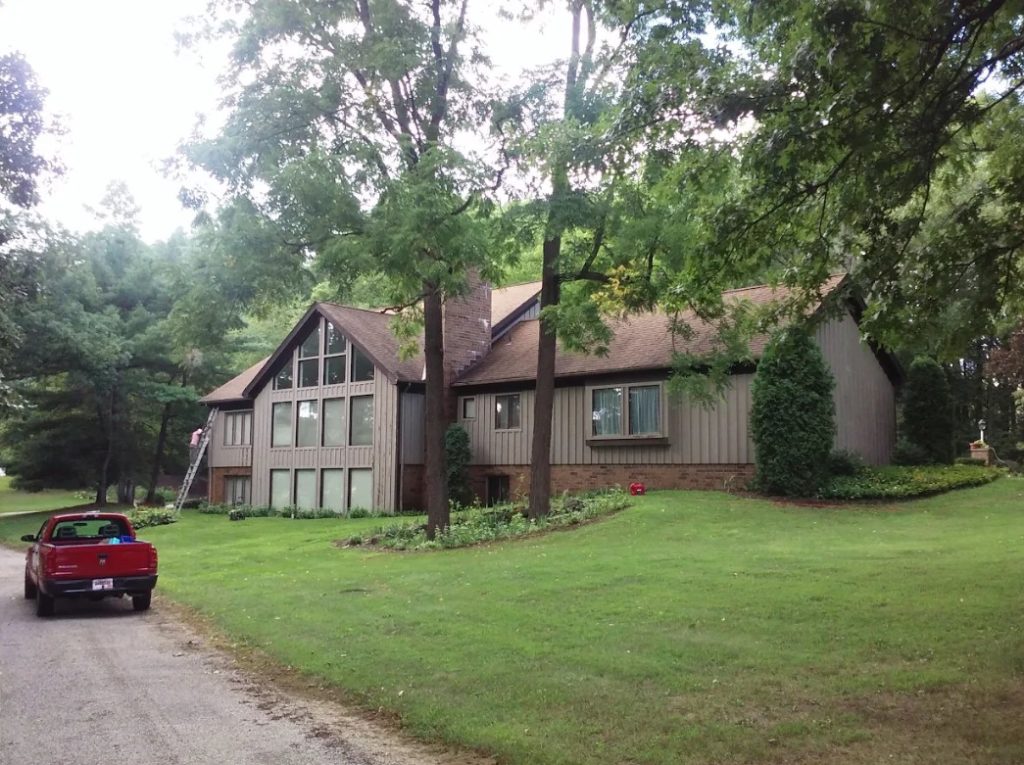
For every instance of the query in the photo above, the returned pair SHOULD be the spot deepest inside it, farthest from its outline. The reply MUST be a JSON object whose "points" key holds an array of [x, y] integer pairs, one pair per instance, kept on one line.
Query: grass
{"points": [[694, 627], [12, 501]]}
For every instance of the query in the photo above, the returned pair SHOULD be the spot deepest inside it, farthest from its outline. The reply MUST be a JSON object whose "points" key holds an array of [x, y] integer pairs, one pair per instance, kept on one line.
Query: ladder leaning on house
{"points": [[193, 467]]}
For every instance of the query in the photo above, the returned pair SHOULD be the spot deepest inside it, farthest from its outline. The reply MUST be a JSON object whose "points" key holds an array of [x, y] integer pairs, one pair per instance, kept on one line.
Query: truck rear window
{"points": [[89, 530]]}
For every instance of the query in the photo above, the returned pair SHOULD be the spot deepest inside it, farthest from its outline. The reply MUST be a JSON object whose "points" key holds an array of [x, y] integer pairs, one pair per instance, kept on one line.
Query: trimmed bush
{"points": [[456, 460], [894, 482], [928, 422], [844, 462], [793, 416], [906, 453], [143, 518]]}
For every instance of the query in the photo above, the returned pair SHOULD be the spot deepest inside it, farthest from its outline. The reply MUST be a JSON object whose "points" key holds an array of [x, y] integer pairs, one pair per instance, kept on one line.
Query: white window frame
{"points": [[494, 410]]}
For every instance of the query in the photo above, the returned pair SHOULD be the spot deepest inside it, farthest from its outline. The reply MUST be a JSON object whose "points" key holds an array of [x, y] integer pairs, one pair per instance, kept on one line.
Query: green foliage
{"points": [[457, 457], [844, 462], [896, 482], [907, 453], [793, 416], [928, 411], [477, 525], [143, 518], [297, 513]]}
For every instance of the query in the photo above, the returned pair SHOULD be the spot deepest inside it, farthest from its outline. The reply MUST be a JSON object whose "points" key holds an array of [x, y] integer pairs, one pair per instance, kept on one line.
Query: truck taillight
{"points": [[50, 563], [152, 558]]}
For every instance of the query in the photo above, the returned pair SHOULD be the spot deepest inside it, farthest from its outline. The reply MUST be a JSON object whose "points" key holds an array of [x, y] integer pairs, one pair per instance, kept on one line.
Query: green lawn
{"points": [[692, 628], [12, 501]]}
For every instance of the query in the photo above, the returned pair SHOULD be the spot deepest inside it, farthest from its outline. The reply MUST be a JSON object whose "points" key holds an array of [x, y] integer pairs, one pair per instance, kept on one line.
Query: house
{"points": [[334, 418]]}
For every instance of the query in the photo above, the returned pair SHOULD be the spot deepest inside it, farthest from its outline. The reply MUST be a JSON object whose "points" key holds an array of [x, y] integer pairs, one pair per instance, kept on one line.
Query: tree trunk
{"points": [[125, 491], [433, 351], [158, 457], [106, 420], [544, 396]]}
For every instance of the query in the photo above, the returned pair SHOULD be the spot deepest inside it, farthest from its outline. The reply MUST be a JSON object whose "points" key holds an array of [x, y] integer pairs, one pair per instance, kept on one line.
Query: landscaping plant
{"points": [[928, 412]]}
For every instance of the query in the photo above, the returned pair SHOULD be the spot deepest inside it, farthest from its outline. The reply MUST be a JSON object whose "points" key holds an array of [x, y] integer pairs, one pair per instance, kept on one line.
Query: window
{"points": [[469, 408], [332, 490], [237, 428], [309, 373], [497, 490], [626, 410], [506, 412], [282, 433], [306, 429], [283, 379], [305, 489], [310, 347], [280, 491], [361, 427], [360, 488], [334, 422], [362, 367], [335, 346], [237, 489]]}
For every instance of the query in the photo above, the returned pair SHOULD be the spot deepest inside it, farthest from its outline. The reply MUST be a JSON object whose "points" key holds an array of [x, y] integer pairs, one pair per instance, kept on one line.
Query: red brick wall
{"points": [[217, 476], [577, 478]]}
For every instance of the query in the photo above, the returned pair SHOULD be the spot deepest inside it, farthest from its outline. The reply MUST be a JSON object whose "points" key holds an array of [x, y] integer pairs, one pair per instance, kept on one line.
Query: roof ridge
{"points": [[374, 311]]}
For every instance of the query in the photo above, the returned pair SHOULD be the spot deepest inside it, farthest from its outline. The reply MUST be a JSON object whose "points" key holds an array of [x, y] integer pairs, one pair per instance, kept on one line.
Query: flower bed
{"points": [[896, 482], [486, 524]]}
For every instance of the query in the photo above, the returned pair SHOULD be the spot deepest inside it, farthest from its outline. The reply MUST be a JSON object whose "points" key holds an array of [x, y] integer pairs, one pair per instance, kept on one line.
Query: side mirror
{"points": [[28, 537]]}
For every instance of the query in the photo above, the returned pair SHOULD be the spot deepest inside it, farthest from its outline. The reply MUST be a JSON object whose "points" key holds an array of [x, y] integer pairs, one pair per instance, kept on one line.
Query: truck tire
{"points": [[30, 589], [141, 602], [44, 604]]}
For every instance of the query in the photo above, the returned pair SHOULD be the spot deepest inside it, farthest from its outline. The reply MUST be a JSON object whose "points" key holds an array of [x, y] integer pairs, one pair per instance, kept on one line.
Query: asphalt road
{"points": [[98, 683]]}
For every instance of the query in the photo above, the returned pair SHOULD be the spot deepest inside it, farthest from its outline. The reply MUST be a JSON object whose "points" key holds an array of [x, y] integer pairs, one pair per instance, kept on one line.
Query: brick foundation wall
{"points": [[217, 476], [577, 478]]}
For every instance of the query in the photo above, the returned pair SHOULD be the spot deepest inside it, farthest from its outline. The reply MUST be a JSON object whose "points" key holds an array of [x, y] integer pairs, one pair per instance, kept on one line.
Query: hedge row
{"points": [[895, 482]]}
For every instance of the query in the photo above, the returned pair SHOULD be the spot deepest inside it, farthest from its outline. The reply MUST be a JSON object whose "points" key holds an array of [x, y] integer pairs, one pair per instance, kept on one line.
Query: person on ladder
{"points": [[193, 445]]}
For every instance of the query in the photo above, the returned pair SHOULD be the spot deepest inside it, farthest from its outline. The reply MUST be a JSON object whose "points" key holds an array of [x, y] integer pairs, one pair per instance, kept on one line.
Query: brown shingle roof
{"points": [[371, 331], [233, 389], [641, 341], [505, 300]]}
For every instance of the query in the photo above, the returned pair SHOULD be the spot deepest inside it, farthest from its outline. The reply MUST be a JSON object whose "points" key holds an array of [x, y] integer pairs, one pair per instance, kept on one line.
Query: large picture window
{"points": [[360, 488], [282, 418], [280, 490], [361, 427], [506, 412], [626, 410], [237, 428], [283, 379], [306, 429], [332, 489], [334, 422], [362, 367], [309, 360], [305, 489]]}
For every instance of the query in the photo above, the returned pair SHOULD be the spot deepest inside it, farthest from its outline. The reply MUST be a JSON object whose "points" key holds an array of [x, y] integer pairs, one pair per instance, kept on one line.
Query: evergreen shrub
{"points": [[457, 456], [928, 422], [793, 415]]}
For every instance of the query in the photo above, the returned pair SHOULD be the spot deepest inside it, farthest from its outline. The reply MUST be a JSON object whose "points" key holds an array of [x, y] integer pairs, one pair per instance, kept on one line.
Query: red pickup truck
{"points": [[92, 554]]}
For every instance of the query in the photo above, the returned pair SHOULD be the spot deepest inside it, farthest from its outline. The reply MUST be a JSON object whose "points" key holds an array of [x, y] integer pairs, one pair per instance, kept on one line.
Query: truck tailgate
{"points": [[90, 561]]}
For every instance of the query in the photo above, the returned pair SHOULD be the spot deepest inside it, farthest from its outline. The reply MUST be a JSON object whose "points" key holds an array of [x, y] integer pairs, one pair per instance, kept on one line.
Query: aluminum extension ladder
{"points": [[193, 467]]}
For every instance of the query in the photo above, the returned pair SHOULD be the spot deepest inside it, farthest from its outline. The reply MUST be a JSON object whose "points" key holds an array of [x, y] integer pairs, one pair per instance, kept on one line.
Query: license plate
{"points": [[103, 584]]}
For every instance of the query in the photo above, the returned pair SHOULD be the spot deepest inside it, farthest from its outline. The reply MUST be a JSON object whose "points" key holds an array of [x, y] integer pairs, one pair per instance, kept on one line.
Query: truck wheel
{"points": [[44, 604], [30, 589], [141, 602]]}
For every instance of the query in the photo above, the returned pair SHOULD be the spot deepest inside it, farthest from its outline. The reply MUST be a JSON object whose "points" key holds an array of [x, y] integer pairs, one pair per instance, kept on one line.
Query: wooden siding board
{"points": [[413, 414], [864, 396]]}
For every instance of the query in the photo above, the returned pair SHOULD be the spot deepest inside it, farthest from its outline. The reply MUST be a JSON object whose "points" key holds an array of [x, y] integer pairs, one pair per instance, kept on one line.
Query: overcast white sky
{"points": [[126, 98]]}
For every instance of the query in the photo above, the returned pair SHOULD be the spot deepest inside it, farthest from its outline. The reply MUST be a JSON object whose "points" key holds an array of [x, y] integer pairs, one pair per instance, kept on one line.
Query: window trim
{"points": [[519, 425], [611, 439]]}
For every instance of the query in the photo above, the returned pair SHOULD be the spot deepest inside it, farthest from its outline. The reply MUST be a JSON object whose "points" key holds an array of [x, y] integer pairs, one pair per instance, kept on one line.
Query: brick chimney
{"points": [[467, 329]]}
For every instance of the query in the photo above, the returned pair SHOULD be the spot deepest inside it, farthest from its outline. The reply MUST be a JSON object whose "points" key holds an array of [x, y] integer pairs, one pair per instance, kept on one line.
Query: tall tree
{"points": [[339, 148]]}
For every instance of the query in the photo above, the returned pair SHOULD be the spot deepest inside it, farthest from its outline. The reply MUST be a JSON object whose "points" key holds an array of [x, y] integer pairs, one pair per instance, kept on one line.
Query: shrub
{"points": [[457, 456], [895, 482], [906, 453], [142, 518], [969, 461], [485, 524], [928, 421], [793, 417], [844, 462]]}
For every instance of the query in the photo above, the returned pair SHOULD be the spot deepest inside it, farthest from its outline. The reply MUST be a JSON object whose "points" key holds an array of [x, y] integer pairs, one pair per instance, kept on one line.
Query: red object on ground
{"points": [[89, 554], [637, 488]]}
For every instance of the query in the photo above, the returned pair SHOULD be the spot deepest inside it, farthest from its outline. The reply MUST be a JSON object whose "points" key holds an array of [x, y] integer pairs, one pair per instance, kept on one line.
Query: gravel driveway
{"points": [[98, 683]]}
